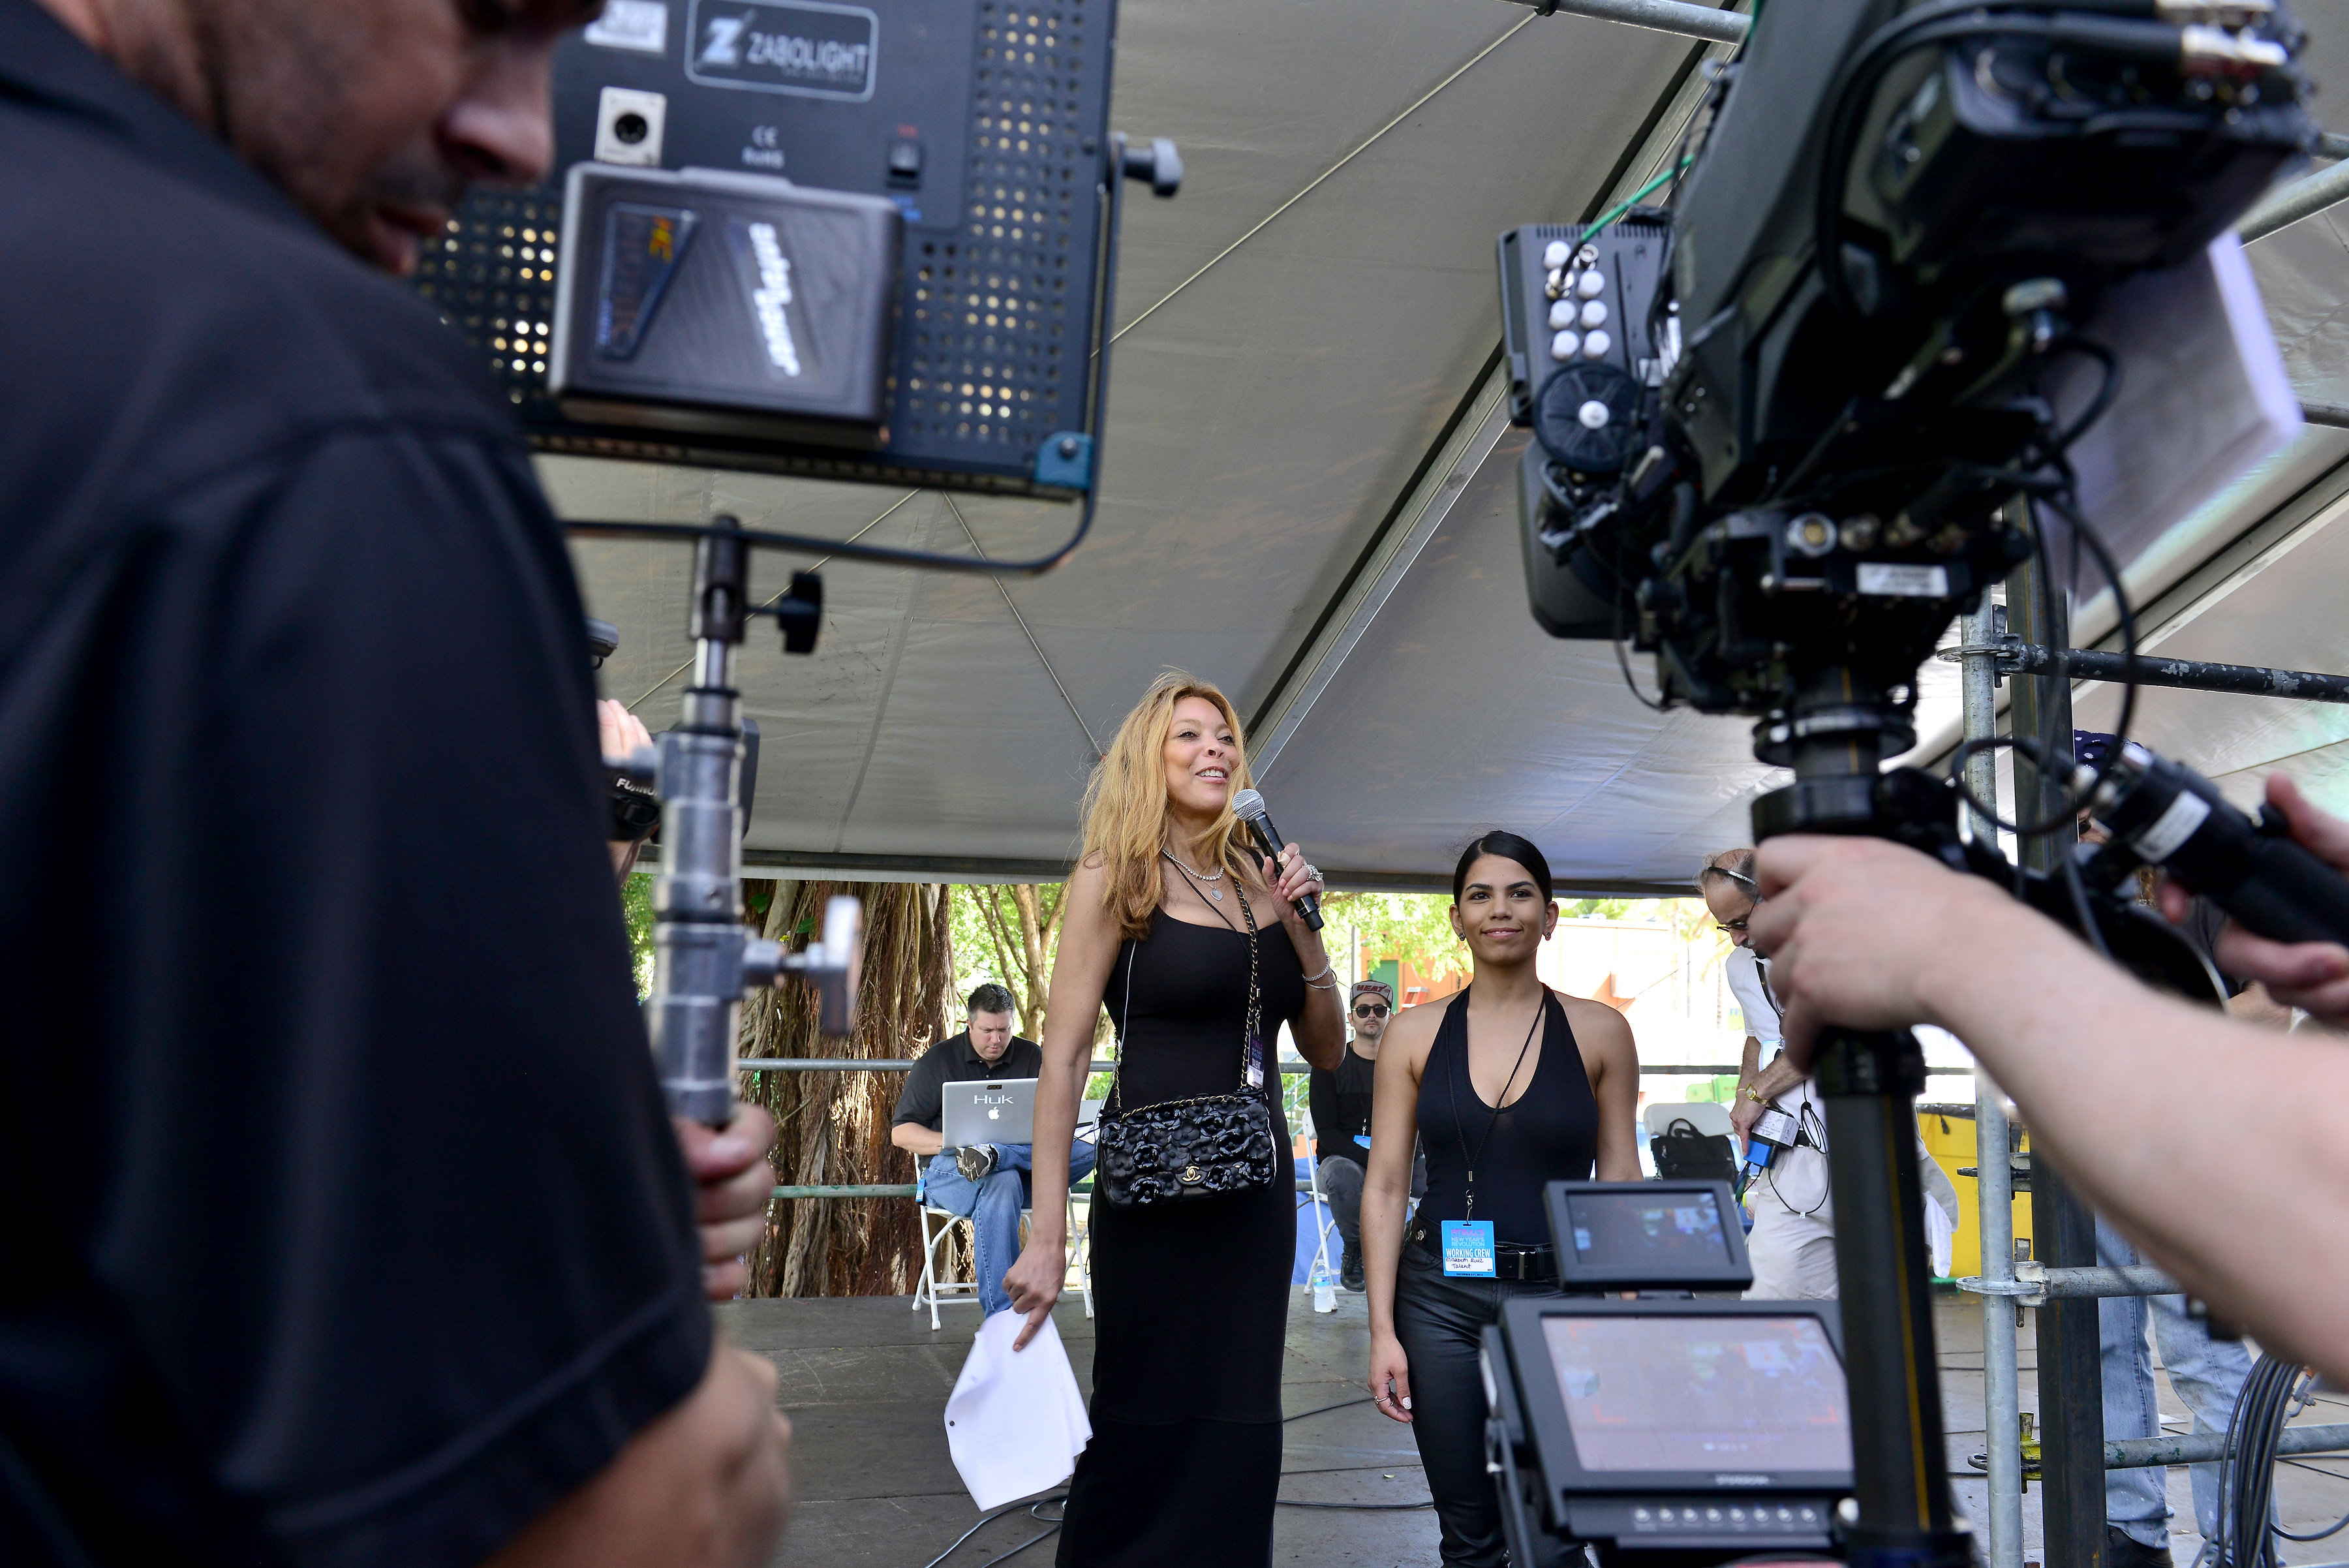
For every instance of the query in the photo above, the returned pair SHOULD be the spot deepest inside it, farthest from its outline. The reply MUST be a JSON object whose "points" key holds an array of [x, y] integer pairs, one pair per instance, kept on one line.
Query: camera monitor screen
{"points": [[1649, 1234], [1702, 1392]]}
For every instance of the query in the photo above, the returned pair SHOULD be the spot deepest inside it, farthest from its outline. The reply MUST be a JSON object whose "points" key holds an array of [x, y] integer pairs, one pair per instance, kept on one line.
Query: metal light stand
{"points": [[1900, 1516], [703, 957]]}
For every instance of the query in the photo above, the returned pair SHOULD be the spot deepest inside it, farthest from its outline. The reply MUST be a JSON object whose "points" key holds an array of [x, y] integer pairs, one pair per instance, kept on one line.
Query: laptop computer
{"points": [[979, 1111]]}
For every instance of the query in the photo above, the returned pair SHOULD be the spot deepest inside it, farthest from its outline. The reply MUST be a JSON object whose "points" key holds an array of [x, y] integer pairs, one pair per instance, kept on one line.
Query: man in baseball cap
{"points": [[1341, 1102]]}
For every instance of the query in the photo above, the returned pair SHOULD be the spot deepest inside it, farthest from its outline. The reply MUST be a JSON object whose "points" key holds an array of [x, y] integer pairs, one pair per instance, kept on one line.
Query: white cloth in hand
{"points": [[1014, 1421]]}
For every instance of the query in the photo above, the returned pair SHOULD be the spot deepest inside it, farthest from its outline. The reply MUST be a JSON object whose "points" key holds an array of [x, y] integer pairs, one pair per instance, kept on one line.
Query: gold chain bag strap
{"points": [[1186, 1151]]}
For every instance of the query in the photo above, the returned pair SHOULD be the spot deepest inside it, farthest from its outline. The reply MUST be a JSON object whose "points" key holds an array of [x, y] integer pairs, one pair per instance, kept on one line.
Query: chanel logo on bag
{"points": [[1190, 1174]]}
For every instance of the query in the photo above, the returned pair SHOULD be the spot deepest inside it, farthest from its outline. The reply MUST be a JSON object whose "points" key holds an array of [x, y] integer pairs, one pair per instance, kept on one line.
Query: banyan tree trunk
{"points": [[832, 1127]]}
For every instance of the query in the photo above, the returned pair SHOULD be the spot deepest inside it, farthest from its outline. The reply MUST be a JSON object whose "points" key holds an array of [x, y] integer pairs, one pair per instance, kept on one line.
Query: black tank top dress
{"points": [[1549, 1133], [1190, 1300]]}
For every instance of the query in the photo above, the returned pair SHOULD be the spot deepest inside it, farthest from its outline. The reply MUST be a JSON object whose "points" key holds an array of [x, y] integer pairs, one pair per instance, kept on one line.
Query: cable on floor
{"points": [[1063, 1497]]}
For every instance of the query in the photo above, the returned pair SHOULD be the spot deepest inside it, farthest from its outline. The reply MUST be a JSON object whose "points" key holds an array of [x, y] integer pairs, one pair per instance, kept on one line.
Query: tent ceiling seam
{"points": [[980, 551], [1381, 570], [1648, 139], [1417, 104]]}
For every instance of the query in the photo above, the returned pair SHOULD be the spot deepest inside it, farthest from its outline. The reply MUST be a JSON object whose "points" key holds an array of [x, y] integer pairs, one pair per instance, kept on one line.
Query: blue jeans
{"points": [[993, 1208], [2208, 1373]]}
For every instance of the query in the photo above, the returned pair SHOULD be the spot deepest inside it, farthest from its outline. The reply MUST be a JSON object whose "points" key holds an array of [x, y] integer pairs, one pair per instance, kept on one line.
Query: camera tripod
{"points": [[1834, 736]]}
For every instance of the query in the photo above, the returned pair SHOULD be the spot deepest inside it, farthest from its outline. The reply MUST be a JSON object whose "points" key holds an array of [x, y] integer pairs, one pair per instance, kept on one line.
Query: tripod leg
{"points": [[1900, 1458]]}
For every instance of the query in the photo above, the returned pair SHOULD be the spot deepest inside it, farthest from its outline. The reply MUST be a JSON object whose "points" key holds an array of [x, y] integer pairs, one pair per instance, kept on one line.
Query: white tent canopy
{"points": [[1308, 499]]}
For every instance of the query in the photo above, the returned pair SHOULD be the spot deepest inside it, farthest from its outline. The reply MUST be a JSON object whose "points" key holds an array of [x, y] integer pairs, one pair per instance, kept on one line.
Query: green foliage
{"points": [[1413, 927], [1605, 909], [636, 908], [976, 956], [1687, 918]]}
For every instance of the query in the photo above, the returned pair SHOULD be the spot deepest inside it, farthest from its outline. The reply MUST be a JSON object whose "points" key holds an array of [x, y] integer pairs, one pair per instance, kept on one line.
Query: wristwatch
{"points": [[1749, 1094]]}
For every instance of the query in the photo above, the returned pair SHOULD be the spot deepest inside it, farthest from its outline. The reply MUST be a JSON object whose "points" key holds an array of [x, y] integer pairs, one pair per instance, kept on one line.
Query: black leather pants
{"points": [[1440, 1322]]}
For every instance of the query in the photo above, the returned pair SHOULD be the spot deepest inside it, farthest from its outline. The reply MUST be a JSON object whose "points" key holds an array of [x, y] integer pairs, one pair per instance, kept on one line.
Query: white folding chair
{"points": [[1325, 1219], [930, 1291], [933, 1292]]}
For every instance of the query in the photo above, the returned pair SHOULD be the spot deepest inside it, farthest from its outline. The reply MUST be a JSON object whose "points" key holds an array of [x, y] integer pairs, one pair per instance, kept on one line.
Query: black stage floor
{"points": [[866, 1380]]}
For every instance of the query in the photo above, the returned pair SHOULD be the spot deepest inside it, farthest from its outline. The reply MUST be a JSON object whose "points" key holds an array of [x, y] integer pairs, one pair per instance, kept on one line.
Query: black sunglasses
{"points": [[1370, 1010]]}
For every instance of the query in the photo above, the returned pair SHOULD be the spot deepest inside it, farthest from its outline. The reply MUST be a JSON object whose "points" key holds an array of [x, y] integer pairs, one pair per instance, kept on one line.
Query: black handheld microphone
{"points": [[1248, 806]]}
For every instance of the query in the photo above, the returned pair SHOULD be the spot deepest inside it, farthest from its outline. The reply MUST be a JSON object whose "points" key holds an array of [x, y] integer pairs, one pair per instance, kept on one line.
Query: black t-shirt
{"points": [[341, 1221], [956, 1061], [1339, 1098]]}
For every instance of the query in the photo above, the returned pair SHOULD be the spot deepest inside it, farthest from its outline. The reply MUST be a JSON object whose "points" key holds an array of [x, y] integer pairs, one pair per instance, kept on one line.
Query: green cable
{"points": [[1632, 201]]}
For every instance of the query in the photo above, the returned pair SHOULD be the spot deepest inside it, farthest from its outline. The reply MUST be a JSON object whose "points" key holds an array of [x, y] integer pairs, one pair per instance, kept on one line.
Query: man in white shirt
{"points": [[1792, 1244]]}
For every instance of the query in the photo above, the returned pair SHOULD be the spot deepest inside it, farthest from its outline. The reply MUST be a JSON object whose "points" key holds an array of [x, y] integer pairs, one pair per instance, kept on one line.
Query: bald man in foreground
{"points": [[345, 1223]]}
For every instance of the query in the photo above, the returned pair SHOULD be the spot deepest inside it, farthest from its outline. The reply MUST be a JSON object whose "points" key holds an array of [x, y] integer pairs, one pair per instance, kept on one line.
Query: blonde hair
{"points": [[1126, 806]]}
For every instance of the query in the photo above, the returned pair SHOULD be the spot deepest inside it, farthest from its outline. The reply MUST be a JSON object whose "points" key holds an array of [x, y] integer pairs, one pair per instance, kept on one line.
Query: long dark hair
{"points": [[1508, 846]]}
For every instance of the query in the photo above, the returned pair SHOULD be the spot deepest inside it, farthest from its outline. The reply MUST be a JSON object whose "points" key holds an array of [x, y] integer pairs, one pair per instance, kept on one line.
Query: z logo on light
{"points": [[724, 45]]}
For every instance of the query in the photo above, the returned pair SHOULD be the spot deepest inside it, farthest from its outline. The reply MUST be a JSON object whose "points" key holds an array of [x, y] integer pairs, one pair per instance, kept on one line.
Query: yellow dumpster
{"points": [[1949, 1134]]}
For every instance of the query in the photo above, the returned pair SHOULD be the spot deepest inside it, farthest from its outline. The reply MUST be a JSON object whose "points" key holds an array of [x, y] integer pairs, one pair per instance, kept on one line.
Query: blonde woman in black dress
{"points": [[1190, 1299]]}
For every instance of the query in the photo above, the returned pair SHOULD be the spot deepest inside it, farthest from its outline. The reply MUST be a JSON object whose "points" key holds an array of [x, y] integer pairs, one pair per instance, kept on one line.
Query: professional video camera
{"points": [[1777, 426], [1789, 425]]}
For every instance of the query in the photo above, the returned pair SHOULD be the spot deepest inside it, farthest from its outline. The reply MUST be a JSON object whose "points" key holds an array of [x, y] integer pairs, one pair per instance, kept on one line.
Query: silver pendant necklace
{"points": [[1215, 893]]}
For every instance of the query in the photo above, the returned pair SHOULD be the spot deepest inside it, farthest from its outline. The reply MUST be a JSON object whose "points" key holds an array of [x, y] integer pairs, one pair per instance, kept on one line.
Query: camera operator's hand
{"points": [[2313, 976], [1861, 932], [708, 1484], [737, 1185], [621, 731]]}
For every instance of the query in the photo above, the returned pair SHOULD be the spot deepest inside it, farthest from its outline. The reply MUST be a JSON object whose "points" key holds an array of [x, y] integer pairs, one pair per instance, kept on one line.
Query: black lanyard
{"points": [[1452, 1088]]}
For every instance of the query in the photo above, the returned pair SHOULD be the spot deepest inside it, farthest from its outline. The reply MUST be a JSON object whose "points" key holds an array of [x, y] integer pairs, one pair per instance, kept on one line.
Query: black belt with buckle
{"points": [[1510, 1261]]}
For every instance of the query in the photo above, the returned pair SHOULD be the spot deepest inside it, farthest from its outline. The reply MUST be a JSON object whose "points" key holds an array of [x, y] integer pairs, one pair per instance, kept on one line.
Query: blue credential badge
{"points": [[1363, 1138], [1468, 1249]]}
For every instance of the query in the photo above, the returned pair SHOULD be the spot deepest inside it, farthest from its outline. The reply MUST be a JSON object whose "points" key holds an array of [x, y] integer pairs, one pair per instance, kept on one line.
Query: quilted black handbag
{"points": [[1185, 1151]]}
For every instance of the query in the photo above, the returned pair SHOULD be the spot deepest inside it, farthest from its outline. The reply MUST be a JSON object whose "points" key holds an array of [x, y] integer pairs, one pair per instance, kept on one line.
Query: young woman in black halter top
{"points": [[1507, 1085], [1190, 1299]]}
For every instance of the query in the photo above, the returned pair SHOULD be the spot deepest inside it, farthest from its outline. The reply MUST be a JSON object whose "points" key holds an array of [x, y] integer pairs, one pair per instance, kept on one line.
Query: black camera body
{"points": [[1898, 220]]}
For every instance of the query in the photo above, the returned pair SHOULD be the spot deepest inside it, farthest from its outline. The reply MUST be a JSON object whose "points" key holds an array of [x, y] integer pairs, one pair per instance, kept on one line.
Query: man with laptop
{"points": [[969, 1109]]}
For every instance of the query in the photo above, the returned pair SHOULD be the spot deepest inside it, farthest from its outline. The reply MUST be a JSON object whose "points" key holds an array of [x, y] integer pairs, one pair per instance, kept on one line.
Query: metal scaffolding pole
{"points": [[2016, 657], [2063, 1229], [2002, 1392], [2204, 1447]]}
